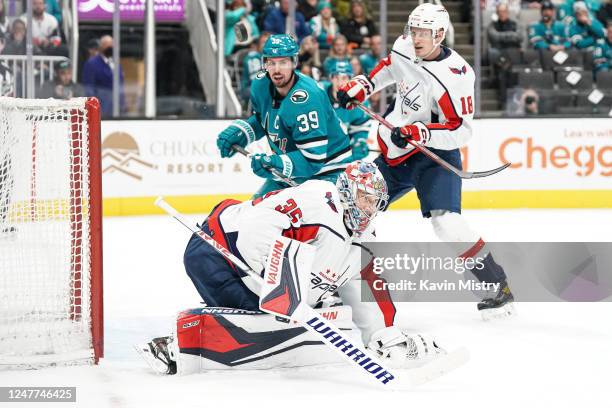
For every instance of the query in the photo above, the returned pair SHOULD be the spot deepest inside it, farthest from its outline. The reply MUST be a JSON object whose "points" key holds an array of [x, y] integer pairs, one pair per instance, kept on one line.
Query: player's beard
{"points": [[284, 83]]}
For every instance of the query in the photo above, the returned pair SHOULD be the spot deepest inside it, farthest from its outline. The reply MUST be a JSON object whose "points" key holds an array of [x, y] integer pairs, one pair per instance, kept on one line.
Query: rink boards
{"points": [[556, 163]]}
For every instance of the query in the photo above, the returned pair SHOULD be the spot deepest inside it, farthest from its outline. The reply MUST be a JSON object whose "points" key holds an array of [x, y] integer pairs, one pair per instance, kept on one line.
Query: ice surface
{"points": [[553, 355]]}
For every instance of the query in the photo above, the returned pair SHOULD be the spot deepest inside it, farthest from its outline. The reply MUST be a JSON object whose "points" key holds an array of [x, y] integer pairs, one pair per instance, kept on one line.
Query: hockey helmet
{"points": [[363, 193], [280, 45], [430, 16]]}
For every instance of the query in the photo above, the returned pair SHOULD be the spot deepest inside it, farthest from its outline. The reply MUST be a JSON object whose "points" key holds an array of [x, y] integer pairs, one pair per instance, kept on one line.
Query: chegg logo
{"points": [[524, 153]]}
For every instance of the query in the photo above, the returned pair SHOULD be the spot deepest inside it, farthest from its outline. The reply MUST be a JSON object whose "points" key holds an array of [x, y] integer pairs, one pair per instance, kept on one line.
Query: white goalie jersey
{"points": [[438, 93], [311, 213]]}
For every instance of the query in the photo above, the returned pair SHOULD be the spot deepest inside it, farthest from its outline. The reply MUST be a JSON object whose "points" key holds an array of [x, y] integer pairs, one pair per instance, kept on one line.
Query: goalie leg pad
{"points": [[223, 338]]}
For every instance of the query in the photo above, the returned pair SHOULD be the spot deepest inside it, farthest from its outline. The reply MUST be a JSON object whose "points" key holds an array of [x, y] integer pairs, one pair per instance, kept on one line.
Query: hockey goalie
{"points": [[312, 232]]}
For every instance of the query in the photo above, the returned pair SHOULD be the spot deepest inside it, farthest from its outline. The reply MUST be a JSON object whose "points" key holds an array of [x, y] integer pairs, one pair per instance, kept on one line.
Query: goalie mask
{"points": [[431, 17], [363, 193]]}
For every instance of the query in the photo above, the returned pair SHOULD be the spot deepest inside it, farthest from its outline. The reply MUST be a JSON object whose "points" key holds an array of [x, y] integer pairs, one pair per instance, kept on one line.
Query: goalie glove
{"points": [[402, 350], [417, 132], [357, 89]]}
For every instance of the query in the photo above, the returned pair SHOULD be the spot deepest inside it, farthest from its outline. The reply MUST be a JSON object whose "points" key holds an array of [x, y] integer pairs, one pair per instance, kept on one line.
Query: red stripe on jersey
{"points": [[397, 160], [385, 62], [470, 253], [382, 297], [215, 226], [453, 120], [305, 233]]}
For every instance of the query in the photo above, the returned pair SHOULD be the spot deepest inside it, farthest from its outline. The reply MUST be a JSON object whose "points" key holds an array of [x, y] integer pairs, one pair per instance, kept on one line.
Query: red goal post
{"points": [[51, 284]]}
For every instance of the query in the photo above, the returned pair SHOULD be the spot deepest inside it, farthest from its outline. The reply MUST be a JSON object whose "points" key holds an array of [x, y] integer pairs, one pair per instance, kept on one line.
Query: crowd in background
{"points": [[565, 36], [328, 34], [521, 35], [48, 39]]}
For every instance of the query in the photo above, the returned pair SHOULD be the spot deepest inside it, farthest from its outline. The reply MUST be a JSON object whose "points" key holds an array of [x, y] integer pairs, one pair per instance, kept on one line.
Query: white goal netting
{"points": [[45, 233]]}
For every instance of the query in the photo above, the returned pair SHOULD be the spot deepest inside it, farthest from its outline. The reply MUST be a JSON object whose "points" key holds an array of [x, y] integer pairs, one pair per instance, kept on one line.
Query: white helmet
{"points": [[431, 16], [359, 184]]}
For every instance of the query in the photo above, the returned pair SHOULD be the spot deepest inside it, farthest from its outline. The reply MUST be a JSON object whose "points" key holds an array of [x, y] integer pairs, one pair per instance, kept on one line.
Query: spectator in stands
{"points": [[602, 55], [92, 47], [548, 34], [604, 15], [62, 86], [4, 21], [342, 9], [503, 34], [237, 11], [98, 77], [251, 66], [338, 52], [584, 31], [16, 43], [323, 25], [52, 7], [529, 102], [532, 4], [566, 12], [309, 53], [309, 8], [356, 66], [275, 21], [45, 30], [369, 59], [359, 28]]}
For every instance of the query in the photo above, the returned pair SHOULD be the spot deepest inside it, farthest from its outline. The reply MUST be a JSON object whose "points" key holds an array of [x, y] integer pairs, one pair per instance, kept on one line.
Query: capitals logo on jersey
{"points": [[458, 71], [410, 96]]}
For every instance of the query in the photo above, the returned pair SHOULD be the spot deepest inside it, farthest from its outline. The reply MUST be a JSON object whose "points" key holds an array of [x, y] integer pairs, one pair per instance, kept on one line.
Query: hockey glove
{"points": [[357, 89], [359, 148], [261, 165], [240, 132], [402, 350], [417, 132]]}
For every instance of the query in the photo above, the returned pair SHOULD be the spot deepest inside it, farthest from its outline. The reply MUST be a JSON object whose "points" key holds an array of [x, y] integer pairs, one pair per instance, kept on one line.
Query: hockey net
{"points": [[50, 233]]}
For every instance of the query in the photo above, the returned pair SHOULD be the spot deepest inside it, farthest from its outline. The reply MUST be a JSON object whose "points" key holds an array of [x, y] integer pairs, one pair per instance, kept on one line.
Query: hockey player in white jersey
{"points": [[434, 107], [232, 332]]}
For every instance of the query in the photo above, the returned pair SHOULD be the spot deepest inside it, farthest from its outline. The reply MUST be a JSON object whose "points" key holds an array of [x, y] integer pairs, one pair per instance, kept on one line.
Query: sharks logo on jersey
{"points": [[299, 96]]}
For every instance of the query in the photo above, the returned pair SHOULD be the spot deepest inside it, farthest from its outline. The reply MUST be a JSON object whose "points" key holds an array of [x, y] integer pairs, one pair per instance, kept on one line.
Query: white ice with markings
{"points": [[550, 354]]}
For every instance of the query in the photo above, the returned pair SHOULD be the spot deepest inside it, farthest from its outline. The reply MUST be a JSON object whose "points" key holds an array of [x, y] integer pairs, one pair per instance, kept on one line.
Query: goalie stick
{"points": [[461, 173], [329, 334]]}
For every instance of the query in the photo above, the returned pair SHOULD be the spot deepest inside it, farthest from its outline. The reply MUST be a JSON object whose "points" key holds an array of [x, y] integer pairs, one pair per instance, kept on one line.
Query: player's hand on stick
{"points": [[359, 148], [417, 132], [235, 134], [262, 164], [355, 90]]}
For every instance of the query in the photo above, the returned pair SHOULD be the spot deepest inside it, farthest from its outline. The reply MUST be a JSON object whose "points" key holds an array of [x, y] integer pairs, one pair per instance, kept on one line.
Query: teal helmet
{"points": [[341, 67], [280, 45]]}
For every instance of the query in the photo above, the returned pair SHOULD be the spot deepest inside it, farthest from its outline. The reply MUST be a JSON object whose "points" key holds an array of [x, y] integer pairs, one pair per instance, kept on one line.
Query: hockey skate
{"points": [[499, 306], [158, 355]]}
